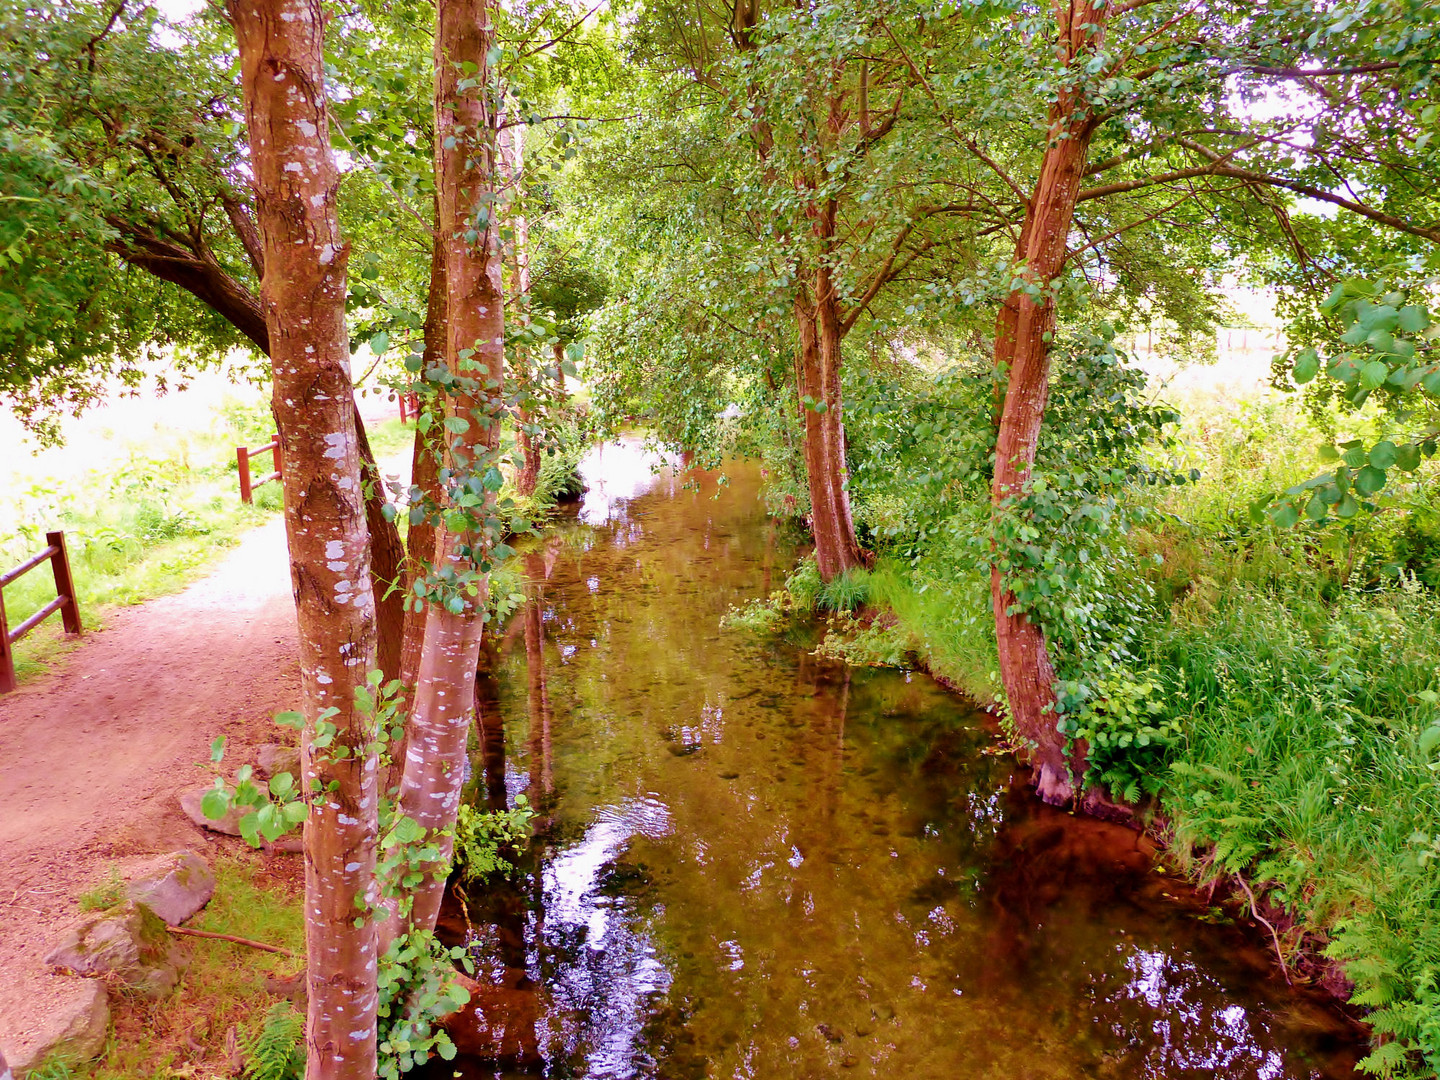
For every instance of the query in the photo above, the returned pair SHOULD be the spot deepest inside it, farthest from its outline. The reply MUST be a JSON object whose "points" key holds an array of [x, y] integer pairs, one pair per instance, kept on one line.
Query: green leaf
{"points": [[295, 812], [1374, 374], [1286, 515], [1413, 319], [215, 804], [1384, 455], [457, 425], [1307, 366], [1407, 457], [290, 719], [380, 343], [1430, 739], [281, 785], [1369, 480], [217, 750], [1348, 507]]}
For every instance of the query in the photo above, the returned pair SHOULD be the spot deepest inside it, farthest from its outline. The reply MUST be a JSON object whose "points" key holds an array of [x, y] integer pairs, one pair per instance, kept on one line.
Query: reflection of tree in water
{"points": [[1062, 894]]}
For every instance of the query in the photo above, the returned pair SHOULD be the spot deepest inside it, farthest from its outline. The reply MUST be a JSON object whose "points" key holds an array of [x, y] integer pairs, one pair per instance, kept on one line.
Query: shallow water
{"points": [[756, 864]]}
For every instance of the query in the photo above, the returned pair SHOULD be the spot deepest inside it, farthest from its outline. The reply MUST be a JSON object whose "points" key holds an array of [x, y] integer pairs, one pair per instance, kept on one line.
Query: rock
{"points": [[74, 1029], [129, 943], [499, 1022], [272, 759], [190, 803], [173, 886]]}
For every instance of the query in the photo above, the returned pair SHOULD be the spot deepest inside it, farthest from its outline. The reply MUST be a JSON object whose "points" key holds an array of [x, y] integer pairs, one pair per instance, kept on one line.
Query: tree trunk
{"points": [[197, 272], [559, 350], [303, 292], [424, 469], [387, 559], [512, 146], [475, 326], [829, 335], [836, 549], [1024, 329]]}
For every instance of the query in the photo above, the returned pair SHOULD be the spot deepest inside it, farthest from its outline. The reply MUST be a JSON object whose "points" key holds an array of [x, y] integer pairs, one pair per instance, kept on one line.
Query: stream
{"points": [[757, 864]]}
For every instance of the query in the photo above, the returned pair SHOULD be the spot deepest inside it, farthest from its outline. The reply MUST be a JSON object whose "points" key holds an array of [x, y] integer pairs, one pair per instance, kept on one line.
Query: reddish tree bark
{"points": [[303, 292], [1023, 332], [424, 467], [537, 693], [512, 147], [821, 334], [475, 326]]}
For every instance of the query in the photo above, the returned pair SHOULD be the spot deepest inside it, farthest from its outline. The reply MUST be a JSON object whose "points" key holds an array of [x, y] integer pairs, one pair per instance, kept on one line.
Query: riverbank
{"points": [[1301, 777]]}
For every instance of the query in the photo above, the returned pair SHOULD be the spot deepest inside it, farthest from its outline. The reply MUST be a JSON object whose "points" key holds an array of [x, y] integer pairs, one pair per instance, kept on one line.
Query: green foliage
{"points": [[483, 836], [880, 642], [1128, 732], [1389, 356], [804, 585], [274, 1048], [417, 985], [1306, 763]]}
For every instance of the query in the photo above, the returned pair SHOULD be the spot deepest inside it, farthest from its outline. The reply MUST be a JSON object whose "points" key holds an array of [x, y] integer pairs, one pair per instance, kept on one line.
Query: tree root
{"points": [[1255, 910]]}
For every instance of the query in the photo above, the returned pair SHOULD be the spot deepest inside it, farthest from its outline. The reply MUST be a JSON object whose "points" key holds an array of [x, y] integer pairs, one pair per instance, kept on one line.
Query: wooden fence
{"points": [[242, 460], [64, 603]]}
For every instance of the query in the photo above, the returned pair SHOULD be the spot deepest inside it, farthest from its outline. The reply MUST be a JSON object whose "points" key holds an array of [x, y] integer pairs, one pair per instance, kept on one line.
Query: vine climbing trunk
{"points": [[281, 45], [465, 160], [1024, 330]]}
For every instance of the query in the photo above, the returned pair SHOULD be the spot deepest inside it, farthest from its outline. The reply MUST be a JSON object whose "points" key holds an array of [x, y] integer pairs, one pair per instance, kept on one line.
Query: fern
{"points": [[274, 1051]]}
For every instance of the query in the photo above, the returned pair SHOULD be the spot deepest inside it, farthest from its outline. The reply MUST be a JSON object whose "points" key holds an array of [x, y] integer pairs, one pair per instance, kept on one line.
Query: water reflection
{"points": [[756, 864]]}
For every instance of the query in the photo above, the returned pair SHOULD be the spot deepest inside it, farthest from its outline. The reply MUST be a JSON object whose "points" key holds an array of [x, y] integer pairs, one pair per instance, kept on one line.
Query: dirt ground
{"points": [[94, 755]]}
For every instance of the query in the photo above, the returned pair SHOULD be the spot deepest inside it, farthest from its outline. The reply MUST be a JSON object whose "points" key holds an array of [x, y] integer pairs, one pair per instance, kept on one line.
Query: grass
{"points": [[1309, 763], [225, 986]]}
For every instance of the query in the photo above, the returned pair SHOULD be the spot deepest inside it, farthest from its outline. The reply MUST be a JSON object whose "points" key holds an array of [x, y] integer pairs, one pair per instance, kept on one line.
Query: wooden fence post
{"points": [[278, 455], [7, 651], [64, 583], [242, 461]]}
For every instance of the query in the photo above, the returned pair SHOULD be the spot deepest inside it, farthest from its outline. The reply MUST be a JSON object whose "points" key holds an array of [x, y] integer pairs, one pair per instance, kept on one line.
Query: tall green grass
{"points": [[1310, 762]]}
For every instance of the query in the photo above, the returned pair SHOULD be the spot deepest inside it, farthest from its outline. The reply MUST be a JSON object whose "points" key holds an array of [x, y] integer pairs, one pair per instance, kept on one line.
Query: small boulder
{"points": [[173, 886], [73, 1028], [272, 759], [190, 803], [129, 943]]}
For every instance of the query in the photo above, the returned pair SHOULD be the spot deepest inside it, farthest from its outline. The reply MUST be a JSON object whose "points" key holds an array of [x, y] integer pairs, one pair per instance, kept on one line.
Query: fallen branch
{"points": [[1255, 910], [185, 930]]}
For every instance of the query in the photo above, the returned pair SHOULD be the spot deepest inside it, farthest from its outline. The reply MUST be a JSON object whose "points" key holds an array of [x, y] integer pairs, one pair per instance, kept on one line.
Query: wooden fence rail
{"points": [[242, 460], [64, 602]]}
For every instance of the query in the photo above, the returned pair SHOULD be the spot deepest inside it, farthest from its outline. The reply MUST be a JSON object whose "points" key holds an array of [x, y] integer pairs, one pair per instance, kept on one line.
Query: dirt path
{"points": [[94, 754]]}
